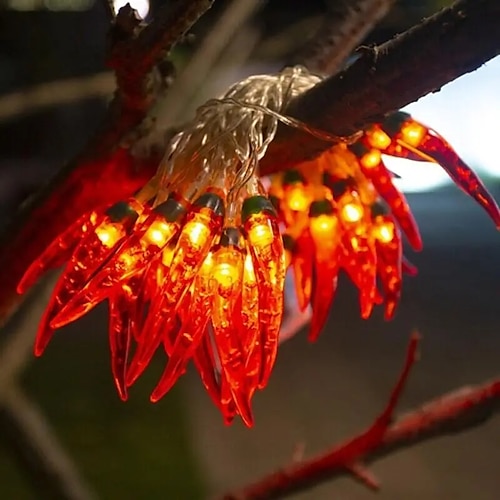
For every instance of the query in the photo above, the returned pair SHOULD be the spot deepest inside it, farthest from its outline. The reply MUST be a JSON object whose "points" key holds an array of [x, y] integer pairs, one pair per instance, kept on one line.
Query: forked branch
{"points": [[452, 412], [344, 27]]}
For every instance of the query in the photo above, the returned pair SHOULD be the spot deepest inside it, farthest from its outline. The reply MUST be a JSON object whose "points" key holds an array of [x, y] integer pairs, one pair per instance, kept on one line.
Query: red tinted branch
{"points": [[451, 413], [102, 173], [455, 41], [343, 29]]}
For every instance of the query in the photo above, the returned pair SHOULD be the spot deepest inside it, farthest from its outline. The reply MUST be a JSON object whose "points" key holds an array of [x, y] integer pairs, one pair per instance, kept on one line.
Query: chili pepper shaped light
{"points": [[427, 143], [227, 287], [373, 168], [94, 247], [389, 260], [266, 246], [203, 224], [59, 250], [194, 320], [325, 233], [147, 240], [123, 329]]}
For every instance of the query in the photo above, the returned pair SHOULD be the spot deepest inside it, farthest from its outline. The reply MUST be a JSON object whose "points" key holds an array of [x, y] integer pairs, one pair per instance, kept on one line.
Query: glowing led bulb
{"points": [[377, 138], [371, 159], [412, 133], [158, 233], [109, 234], [323, 225], [297, 199], [383, 231], [198, 232], [351, 212], [296, 194], [261, 234]]}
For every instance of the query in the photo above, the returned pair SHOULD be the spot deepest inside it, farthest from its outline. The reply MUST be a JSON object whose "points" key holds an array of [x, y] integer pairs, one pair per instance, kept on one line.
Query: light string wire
{"points": [[229, 135]]}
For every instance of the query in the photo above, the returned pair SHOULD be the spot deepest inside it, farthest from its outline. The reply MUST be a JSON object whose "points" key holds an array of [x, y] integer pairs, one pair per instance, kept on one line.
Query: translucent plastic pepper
{"points": [[427, 143], [370, 161], [359, 259], [123, 329], [59, 251], [195, 317], [147, 240], [249, 325], [302, 265], [203, 224], [92, 250], [266, 246], [325, 232], [389, 260], [227, 280]]}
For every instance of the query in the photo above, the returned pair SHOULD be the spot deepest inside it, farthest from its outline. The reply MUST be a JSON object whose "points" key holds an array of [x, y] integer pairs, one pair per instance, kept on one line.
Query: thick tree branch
{"points": [[137, 48], [345, 26], [384, 78], [453, 412]]}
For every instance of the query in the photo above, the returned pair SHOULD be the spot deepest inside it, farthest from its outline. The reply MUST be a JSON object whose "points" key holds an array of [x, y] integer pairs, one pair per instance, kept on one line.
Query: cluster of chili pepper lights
{"points": [[201, 236], [204, 235], [343, 211]]}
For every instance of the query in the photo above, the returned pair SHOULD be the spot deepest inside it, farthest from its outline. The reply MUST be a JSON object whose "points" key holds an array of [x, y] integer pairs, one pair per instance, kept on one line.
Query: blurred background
{"points": [[319, 394]]}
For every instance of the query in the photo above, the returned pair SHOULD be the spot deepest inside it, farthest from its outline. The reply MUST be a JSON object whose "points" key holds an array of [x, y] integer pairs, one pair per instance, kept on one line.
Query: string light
{"points": [[194, 264]]}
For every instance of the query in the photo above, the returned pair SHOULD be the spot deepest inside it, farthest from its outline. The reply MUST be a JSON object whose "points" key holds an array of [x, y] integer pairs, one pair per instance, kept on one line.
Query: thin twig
{"points": [[109, 7], [457, 40], [234, 16], [19, 333], [58, 93], [51, 470], [453, 412], [344, 27]]}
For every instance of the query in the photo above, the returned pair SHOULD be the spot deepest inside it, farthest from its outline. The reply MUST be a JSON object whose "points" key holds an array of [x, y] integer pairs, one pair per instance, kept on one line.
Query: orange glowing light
{"points": [[351, 212], [159, 233], [109, 234], [377, 138], [297, 198], [412, 133], [383, 232], [371, 159], [226, 272], [261, 234], [322, 225], [198, 232]]}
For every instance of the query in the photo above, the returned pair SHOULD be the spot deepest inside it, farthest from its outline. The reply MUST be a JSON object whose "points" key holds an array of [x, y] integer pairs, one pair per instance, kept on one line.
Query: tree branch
{"points": [[234, 16], [453, 412], [344, 27], [384, 78], [57, 93], [102, 173], [53, 473]]}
